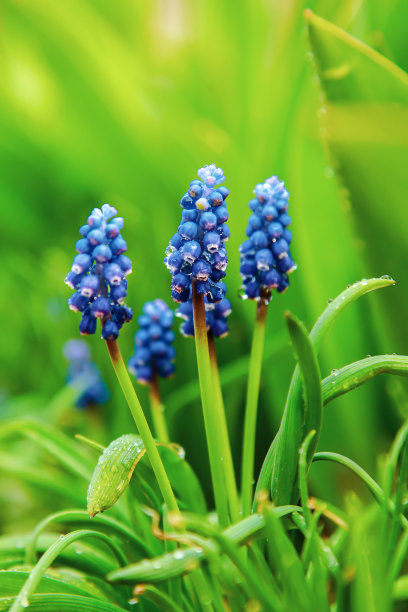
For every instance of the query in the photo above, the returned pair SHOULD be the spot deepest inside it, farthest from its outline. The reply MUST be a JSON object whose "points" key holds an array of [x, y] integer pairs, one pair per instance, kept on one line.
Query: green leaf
{"points": [[62, 603], [34, 578], [299, 417], [286, 564], [65, 450], [320, 329], [80, 518], [174, 564], [60, 581], [355, 374], [85, 556], [365, 117], [113, 472]]}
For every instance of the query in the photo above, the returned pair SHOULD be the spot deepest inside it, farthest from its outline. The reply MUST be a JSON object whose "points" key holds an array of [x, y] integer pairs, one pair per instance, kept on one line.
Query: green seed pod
{"points": [[113, 472]]}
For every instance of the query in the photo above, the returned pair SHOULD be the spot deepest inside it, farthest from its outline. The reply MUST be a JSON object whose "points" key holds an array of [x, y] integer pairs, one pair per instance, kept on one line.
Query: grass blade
{"points": [[298, 419]]}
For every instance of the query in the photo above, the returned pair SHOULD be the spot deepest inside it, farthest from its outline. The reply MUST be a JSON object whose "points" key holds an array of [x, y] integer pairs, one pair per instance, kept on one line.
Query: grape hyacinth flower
{"points": [[154, 356], [154, 351], [98, 274], [215, 315], [197, 251], [197, 259], [84, 375], [266, 261]]}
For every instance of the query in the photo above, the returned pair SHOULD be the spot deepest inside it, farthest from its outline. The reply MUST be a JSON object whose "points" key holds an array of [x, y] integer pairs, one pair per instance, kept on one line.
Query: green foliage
{"points": [[119, 102]]}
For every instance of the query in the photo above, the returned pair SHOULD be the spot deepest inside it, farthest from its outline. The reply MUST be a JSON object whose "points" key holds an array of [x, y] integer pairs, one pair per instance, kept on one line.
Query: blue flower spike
{"points": [[154, 351], [266, 261], [84, 375], [197, 251], [98, 274], [215, 315]]}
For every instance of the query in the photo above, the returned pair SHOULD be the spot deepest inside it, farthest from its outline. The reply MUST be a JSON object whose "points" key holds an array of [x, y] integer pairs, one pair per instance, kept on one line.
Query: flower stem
{"points": [[142, 425], [211, 409], [251, 407], [229, 473], [157, 409]]}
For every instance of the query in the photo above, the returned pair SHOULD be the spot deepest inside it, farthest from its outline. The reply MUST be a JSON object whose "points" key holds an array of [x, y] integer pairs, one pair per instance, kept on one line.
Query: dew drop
{"points": [[330, 300], [179, 554], [386, 277], [24, 602], [334, 372], [364, 281]]}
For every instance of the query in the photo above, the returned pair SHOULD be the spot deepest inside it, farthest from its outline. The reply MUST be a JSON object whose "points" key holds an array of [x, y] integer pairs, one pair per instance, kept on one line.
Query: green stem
{"points": [[229, 473], [29, 587], [142, 425], [251, 407], [157, 408], [211, 409]]}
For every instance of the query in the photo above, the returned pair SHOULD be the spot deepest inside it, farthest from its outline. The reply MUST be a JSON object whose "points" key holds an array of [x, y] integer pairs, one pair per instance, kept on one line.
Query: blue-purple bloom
{"points": [[266, 261], [83, 375], [215, 315], [98, 274], [197, 251], [154, 351]]}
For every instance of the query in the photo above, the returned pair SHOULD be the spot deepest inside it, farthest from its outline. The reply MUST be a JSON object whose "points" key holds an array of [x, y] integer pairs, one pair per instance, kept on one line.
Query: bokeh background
{"points": [[121, 102]]}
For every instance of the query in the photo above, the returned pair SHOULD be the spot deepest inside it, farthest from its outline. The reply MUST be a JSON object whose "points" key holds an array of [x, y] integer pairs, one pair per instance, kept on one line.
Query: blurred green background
{"points": [[122, 102]]}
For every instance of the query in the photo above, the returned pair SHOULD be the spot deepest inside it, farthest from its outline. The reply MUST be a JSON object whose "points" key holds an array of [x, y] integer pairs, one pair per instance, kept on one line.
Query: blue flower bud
{"points": [[102, 253], [118, 294], [186, 202], [87, 326], [259, 239], [264, 259], [248, 267], [203, 204], [180, 297], [119, 222], [118, 245], [83, 375], [78, 302], [73, 280], [265, 256], [124, 262], [188, 230], [203, 287], [110, 331], [222, 214], [208, 221], [100, 308], [215, 198], [113, 274], [96, 237], [180, 282], [83, 246], [196, 190], [211, 242], [190, 215], [224, 232], [112, 230], [201, 270], [154, 352], [89, 285], [81, 263], [191, 251], [274, 230]]}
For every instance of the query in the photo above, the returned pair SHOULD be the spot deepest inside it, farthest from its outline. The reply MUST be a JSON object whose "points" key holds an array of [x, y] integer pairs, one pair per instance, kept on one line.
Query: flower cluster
{"points": [[215, 315], [265, 256], [197, 251], [83, 375], [98, 274], [154, 352]]}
